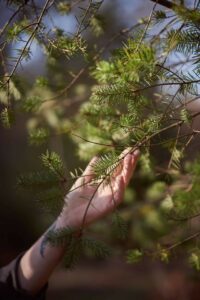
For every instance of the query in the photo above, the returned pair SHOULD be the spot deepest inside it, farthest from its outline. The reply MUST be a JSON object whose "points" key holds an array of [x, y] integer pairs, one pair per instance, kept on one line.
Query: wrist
{"points": [[64, 220]]}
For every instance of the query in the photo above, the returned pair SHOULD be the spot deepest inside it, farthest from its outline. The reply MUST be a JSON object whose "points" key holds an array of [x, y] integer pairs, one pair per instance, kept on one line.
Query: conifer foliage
{"points": [[142, 96]]}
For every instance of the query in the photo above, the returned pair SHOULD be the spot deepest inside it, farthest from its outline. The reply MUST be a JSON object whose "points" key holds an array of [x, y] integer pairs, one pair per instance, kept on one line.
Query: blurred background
{"points": [[22, 219]]}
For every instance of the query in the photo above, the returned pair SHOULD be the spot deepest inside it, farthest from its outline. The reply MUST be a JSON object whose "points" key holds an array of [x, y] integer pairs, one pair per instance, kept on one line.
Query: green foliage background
{"points": [[141, 87]]}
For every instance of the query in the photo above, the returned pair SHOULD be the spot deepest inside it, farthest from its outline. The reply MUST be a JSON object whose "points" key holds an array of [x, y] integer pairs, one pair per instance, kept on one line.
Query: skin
{"points": [[84, 204]]}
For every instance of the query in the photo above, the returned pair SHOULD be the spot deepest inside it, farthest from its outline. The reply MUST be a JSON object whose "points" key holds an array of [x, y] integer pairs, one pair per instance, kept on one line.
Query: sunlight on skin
{"points": [[104, 197], [88, 202]]}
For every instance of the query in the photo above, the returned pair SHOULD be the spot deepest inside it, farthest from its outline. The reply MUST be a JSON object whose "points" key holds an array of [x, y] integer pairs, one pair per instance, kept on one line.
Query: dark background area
{"points": [[16, 155], [22, 220]]}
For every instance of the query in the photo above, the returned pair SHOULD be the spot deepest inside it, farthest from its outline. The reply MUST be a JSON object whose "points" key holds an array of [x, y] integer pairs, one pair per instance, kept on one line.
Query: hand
{"points": [[86, 202]]}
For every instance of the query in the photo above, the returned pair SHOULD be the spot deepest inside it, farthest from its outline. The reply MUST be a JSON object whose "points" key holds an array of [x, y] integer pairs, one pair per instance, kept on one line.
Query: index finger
{"points": [[129, 164]]}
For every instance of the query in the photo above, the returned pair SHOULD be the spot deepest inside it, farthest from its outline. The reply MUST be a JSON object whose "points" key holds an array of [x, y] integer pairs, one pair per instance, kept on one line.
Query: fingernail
{"points": [[136, 153]]}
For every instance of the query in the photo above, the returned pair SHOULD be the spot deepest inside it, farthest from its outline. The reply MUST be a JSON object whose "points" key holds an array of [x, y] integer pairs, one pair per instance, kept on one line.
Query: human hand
{"points": [[87, 202]]}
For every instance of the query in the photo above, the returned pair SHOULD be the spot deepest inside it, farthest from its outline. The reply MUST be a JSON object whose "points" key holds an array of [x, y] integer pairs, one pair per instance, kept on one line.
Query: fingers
{"points": [[119, 168], [129, 165], [88, 173], [125, 168], [125, 152], [119, 189]]}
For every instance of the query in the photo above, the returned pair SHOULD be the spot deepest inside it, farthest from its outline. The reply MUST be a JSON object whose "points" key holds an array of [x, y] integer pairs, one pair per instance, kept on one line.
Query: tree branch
{"points": [[166, 3], [28, 42], [11, 18]]}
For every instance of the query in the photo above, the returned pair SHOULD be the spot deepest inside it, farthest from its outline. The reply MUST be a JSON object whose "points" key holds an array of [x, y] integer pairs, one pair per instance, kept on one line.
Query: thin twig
{"points": [[146, 27], [174, 148], [65, 90], [29, 39], [167, 4], [191, 237], [83, 19], [165, 84], [11, 18], [96, 143]]}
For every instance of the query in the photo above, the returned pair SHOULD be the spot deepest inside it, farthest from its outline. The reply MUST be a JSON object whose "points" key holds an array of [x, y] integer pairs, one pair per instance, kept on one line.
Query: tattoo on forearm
{"points": [[45, 239]]}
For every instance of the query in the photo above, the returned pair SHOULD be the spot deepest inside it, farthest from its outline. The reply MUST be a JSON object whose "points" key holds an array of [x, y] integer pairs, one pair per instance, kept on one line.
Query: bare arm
{"points": [[38, 262]]}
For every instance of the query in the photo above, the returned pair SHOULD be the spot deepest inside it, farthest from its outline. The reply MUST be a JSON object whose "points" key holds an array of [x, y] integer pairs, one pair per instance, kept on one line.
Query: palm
{"points": [[87, 203]]}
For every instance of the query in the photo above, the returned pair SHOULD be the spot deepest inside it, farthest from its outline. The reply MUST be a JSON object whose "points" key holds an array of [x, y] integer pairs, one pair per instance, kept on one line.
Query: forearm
{"points": [[85, 204], [38, 263]]}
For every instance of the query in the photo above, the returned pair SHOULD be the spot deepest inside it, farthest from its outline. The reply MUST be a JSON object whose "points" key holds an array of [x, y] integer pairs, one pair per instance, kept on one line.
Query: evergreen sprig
{"points": [[97, 248], [37, 180], [53, 162], [59, 237], [141, 98], [106, 165], [120, 226], [38, 136]]}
